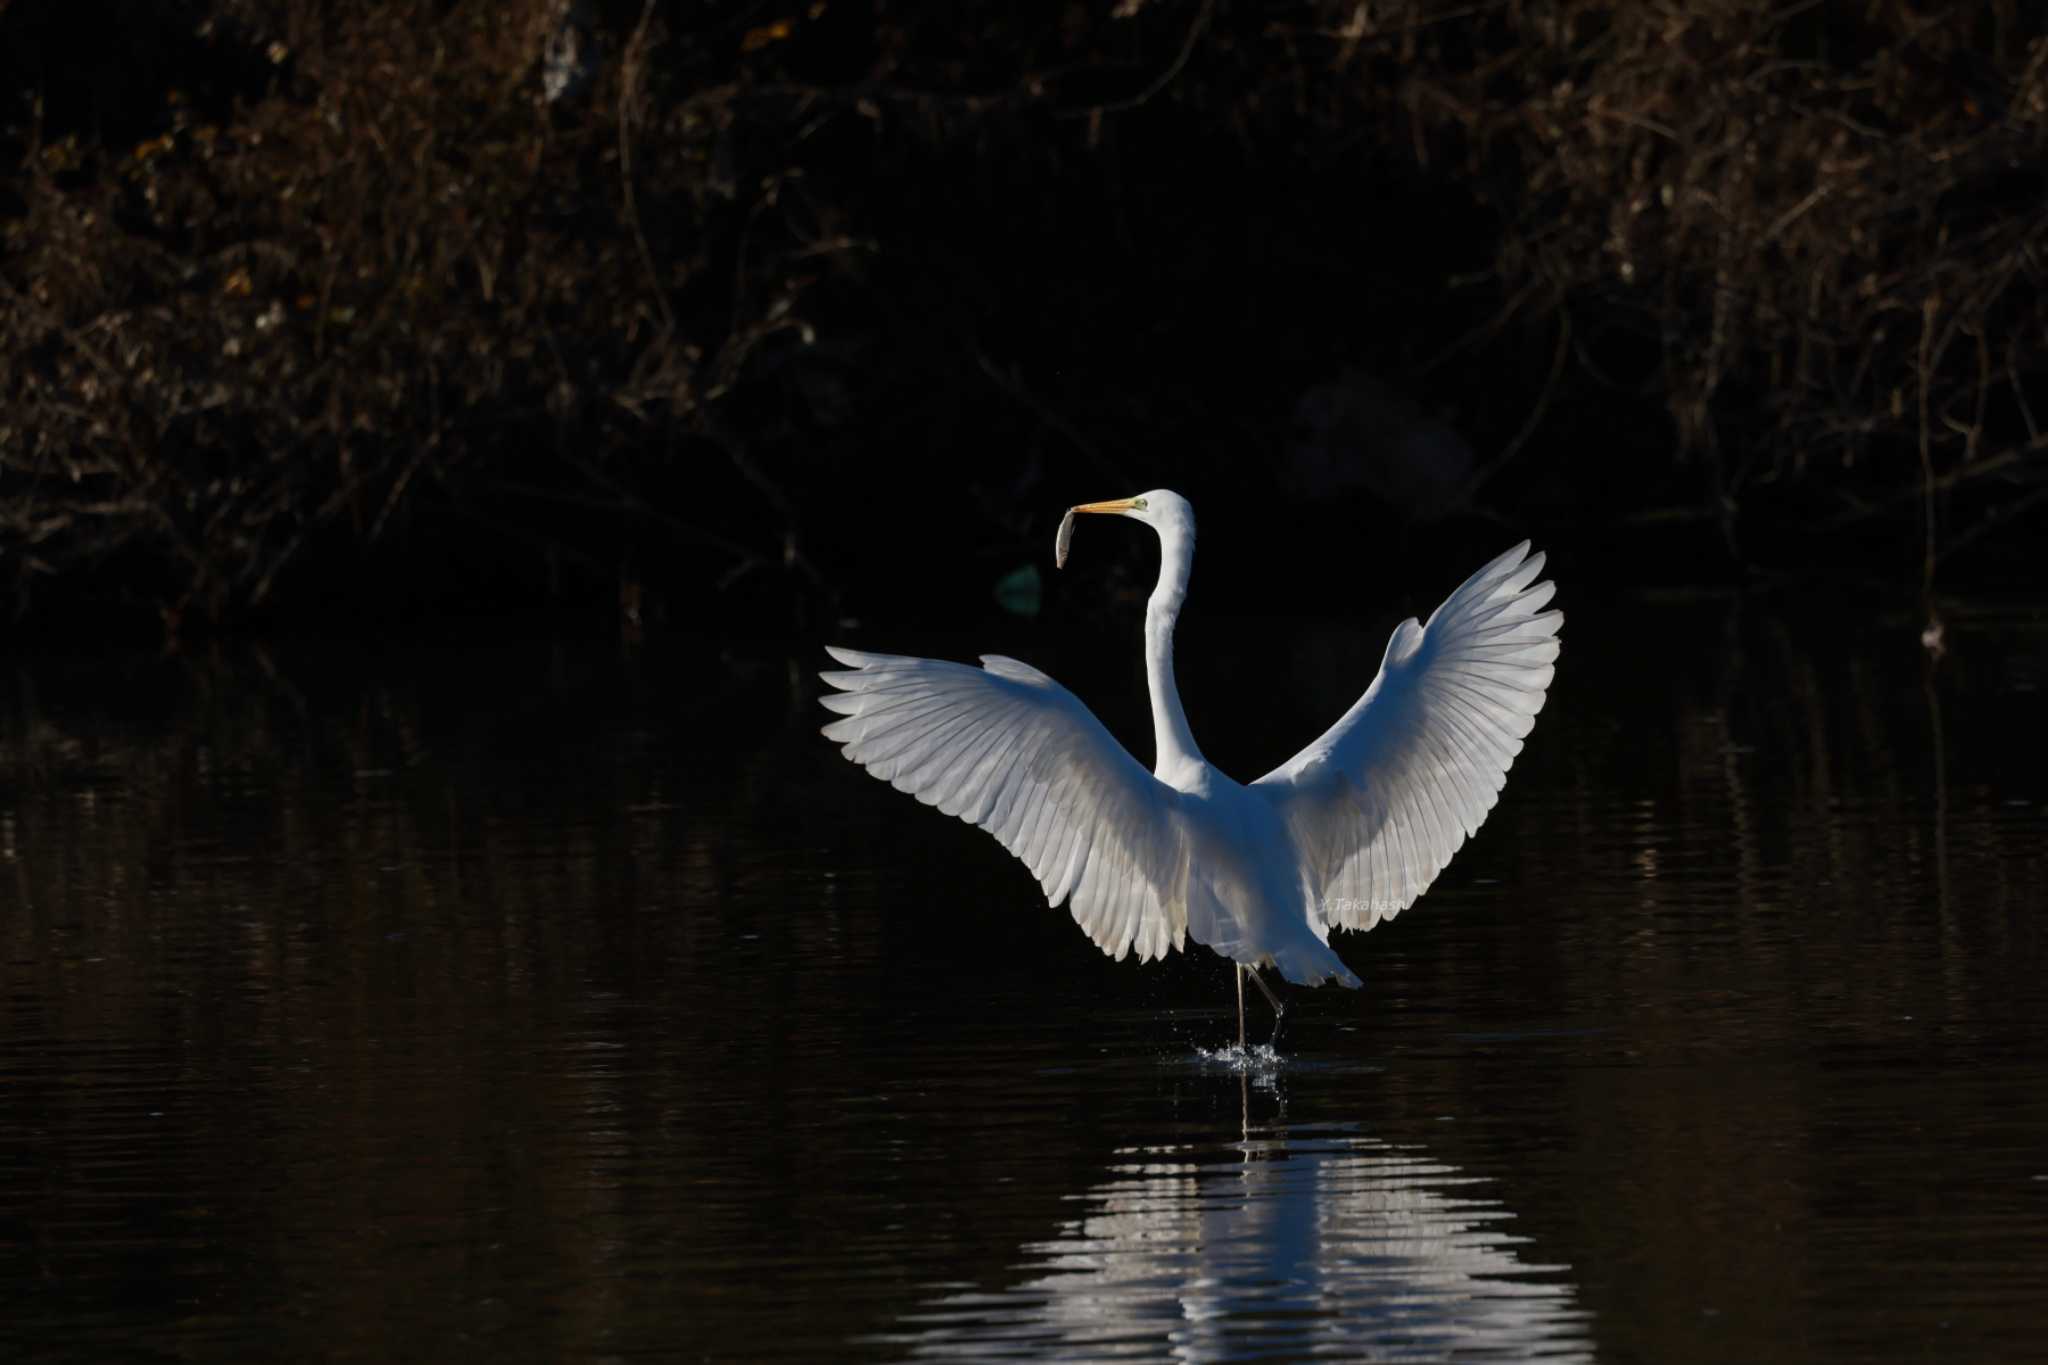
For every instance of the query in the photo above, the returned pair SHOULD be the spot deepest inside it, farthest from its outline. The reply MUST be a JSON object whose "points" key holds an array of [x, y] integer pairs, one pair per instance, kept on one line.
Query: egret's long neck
{"points": [[1173, 743]]}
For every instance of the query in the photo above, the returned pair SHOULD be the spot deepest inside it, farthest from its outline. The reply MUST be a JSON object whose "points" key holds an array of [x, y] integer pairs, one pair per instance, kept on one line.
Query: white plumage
{"points": [[1381, 801], [1007, 748], [1346, 834]]}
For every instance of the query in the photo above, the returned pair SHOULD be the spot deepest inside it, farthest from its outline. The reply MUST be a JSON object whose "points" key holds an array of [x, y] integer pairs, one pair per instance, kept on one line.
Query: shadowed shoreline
{"points": [[395, 310]]}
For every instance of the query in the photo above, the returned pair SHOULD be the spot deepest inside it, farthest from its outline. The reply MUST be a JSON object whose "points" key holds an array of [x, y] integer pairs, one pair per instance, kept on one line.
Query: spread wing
{"points": [[1382, 800], [1007, 748]]}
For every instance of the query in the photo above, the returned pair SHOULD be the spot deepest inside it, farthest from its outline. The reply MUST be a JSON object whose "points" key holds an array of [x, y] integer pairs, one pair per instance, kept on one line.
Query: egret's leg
{"points": [[1279, 1010], [1240, 1006]]}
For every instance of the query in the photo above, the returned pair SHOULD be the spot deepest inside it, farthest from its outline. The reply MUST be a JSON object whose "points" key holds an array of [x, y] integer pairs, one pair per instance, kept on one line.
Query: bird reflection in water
{"points": [[1294, 1240]]}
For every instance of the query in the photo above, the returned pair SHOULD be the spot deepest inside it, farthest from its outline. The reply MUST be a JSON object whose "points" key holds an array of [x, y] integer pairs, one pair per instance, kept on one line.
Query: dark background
{"points": [[770, 316]]}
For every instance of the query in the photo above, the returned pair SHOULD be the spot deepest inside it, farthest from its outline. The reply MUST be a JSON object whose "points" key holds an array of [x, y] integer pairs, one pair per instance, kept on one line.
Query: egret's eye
{"points": [[1138, 503]]}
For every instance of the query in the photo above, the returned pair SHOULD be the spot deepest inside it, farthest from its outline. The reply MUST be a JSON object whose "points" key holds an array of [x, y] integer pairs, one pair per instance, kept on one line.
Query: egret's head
{"points": [[1164, 510]]}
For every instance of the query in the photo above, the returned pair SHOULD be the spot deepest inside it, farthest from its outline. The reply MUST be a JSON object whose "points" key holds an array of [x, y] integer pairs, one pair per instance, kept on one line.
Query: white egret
{"points": [[1345, 834]]}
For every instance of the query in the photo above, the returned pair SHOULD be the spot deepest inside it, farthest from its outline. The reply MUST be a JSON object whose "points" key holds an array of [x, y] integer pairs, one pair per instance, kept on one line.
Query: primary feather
{"points": [[1007, 748], [1380, 802]]}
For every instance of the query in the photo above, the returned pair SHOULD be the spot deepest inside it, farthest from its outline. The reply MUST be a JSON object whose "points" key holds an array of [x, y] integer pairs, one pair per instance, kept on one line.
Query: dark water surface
{"points": [[557, 1001]]}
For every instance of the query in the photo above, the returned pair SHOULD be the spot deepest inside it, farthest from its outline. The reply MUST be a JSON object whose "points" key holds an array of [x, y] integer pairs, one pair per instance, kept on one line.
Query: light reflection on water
{"points": [[1291, 1243], [547, 1002]]}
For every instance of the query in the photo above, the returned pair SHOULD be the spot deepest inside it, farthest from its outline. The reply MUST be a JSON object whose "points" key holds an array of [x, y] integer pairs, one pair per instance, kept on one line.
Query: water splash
{"points": [[1260, 1059]]}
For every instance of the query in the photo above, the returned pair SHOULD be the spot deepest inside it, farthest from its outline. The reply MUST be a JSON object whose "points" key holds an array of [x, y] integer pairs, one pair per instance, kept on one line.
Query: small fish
{"points": [[1064, 541]]}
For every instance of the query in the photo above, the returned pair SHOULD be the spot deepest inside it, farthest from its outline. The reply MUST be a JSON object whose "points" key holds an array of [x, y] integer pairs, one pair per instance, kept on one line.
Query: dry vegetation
{"points": [[336, 274], [1827, 220]]}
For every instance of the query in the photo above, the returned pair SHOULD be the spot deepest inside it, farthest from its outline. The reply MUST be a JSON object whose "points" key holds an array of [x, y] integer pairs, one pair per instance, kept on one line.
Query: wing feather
{"points": [[1008, 749], [1380, 803]]}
